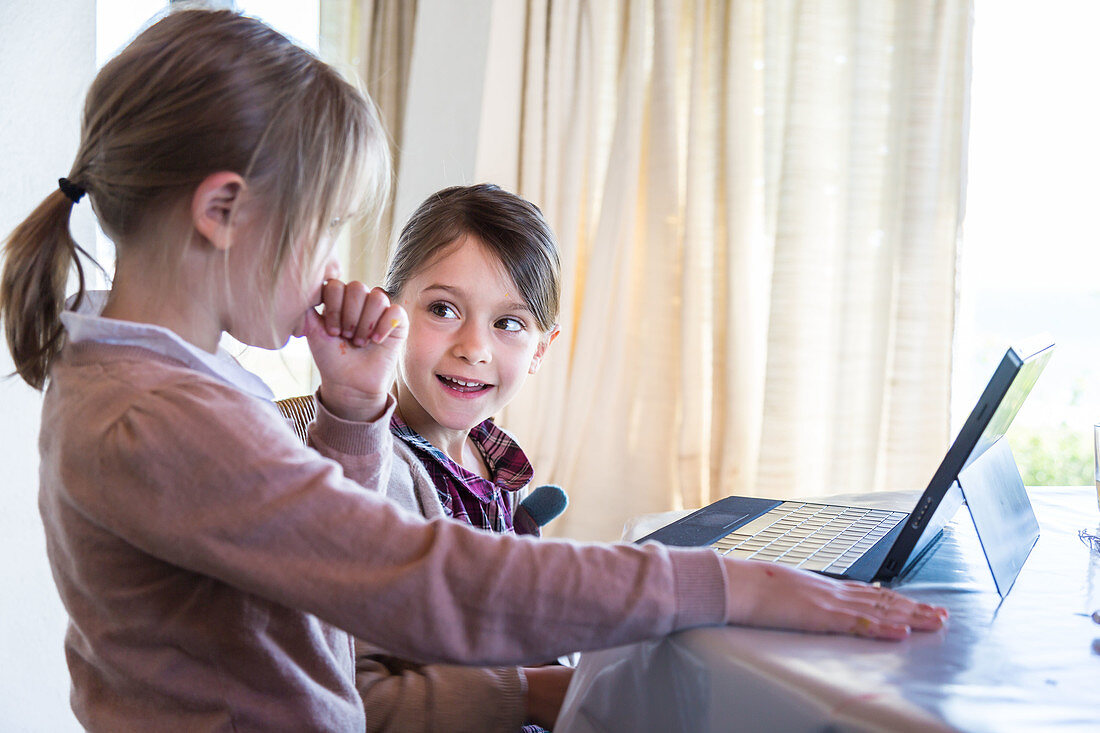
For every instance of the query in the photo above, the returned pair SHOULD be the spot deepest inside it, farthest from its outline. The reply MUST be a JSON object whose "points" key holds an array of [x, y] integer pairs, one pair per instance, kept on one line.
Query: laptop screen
{"points": [[1002, 398]]}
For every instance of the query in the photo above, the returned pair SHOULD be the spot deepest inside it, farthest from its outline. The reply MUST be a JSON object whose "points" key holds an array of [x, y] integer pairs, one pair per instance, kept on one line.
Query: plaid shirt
{"points": [[487, 504], [471, 498]]}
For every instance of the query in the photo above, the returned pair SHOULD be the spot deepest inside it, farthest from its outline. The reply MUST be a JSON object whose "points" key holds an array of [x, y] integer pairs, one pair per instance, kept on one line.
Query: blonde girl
{"points": [[211, 566]]}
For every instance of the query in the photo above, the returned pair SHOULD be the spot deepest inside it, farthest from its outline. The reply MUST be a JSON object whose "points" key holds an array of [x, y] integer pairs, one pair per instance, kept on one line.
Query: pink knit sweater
{"points": [[208, 560]]}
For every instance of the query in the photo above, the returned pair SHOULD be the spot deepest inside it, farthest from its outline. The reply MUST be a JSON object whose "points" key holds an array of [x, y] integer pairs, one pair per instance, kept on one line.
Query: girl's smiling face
{"points": [[472, 341]]}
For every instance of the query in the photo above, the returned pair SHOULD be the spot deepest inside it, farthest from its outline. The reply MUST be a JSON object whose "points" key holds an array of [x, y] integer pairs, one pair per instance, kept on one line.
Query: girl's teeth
{"points": [[461, 383]]}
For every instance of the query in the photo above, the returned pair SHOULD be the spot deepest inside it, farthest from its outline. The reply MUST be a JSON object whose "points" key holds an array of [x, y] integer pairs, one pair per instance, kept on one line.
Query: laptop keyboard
{"points": [[820, 537]]}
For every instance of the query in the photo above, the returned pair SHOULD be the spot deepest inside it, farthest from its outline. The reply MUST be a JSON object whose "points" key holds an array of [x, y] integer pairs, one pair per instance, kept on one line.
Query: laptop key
{"points": [[815, 563], [757, 525]]}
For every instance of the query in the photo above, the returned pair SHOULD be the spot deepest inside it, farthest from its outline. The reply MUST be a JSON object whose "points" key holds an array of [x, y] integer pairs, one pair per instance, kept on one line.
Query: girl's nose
{"points": [[472, 344]]}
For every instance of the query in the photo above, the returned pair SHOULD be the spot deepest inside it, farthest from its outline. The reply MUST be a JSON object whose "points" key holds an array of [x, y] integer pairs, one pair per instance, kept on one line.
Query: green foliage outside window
{"points": [[1058, 456]]}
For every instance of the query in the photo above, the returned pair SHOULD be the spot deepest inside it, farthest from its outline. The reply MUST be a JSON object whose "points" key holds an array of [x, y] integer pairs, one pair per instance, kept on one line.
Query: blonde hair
{"points": [[198, 92]]}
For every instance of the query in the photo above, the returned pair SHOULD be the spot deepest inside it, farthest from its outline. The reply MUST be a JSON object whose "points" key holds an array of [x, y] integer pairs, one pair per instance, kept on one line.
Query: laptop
{"points": [[878, 545]]}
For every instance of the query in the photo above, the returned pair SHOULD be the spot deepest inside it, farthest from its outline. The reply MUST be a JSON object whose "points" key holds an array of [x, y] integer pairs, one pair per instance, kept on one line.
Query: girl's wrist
{"points": [[352, 405], [546, 688]]}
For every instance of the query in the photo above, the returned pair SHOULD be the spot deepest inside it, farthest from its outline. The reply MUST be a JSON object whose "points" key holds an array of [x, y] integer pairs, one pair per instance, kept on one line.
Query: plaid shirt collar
{"points": [[508, 464]]}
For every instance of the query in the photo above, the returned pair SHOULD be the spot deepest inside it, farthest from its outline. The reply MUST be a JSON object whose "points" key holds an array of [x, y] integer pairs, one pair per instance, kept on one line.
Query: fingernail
{"points": [[359, 341], [334, 331], [347, 333]]}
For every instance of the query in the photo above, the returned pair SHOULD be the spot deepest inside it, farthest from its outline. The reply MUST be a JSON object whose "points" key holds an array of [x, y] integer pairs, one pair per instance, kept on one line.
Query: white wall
{"points": [[47, 56], [462, 110]]}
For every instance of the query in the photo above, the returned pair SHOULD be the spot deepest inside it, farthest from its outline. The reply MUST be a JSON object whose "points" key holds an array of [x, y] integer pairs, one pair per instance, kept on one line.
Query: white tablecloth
{"points": [[1029, 663]]}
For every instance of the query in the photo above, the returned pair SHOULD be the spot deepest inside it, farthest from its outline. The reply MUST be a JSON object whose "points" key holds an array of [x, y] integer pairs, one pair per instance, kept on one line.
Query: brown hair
{"points": [[511, 228], [197, 92]]}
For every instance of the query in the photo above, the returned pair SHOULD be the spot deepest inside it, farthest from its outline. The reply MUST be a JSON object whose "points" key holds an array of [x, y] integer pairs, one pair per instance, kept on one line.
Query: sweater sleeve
{"points": [[404, 697], [213, 481], [355, 446]]}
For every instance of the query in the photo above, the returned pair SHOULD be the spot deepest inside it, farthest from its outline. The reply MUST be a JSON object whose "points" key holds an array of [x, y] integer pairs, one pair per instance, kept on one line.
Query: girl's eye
{"points": [[510, 324], [442, 310]]}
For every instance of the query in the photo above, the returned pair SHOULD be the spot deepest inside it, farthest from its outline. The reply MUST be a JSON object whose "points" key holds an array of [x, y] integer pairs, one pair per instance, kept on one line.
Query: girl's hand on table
{"points": [[775, 596]]}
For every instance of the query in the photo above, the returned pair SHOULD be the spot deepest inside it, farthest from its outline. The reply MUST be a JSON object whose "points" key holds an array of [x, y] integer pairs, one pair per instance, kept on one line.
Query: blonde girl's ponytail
{"points": [[38, 257]]}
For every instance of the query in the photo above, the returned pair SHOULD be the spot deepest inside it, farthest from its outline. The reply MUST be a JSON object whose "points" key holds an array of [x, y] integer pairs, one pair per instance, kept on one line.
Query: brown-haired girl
{"points": [[476, 269], [213, 567]]}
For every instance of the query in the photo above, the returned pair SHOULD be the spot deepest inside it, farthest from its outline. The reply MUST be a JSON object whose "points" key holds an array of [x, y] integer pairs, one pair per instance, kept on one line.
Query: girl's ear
{"points": [[212, 207], [540, 351]]}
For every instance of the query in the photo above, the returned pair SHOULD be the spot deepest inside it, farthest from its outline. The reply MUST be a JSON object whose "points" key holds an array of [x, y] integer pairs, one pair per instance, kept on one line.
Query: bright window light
{"points": [[1030, 257]]}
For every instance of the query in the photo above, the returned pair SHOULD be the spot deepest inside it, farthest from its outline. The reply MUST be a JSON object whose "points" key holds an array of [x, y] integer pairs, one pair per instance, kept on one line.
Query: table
{"points": [[1029, 663]]}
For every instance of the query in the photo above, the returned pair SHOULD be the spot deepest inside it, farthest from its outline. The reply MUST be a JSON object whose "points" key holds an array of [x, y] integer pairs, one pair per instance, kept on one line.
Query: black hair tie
{"points": [[72, 191]]}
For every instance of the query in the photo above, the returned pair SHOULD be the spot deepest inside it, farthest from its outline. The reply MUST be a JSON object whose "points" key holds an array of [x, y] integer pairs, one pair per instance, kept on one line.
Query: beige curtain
{"points": [[372, 40], [757, 204]]}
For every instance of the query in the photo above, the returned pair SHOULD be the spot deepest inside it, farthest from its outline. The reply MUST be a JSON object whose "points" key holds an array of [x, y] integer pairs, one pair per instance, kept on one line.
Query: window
{"points": [[1030, 258]]}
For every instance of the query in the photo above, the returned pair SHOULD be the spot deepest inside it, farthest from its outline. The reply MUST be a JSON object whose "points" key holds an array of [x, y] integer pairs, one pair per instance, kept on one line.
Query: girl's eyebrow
{"points": [[445, 288], [509, 304]]}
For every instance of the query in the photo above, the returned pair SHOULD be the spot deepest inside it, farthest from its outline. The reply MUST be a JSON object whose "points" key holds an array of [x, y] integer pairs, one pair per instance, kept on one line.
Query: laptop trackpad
{"points": [[713, 522]]}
